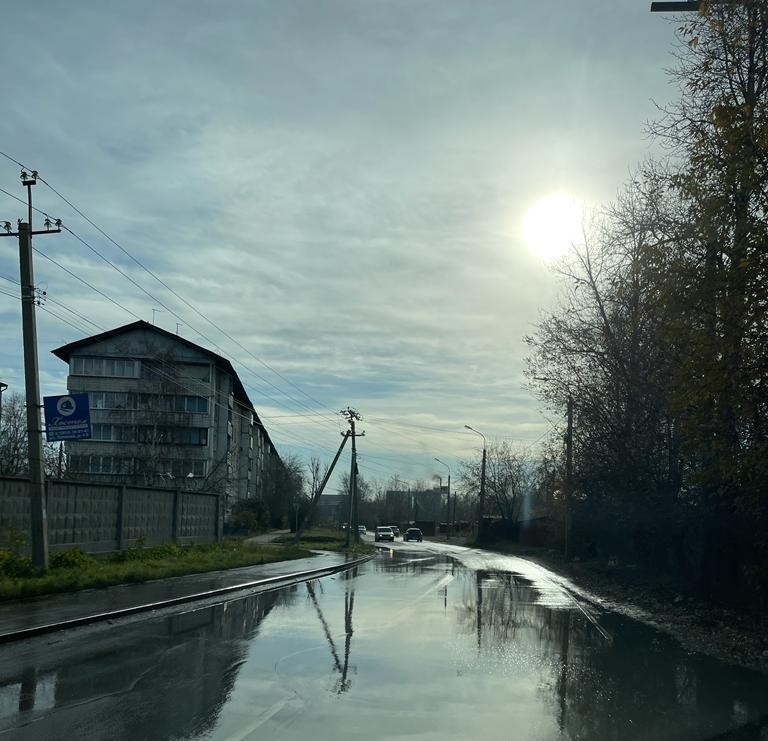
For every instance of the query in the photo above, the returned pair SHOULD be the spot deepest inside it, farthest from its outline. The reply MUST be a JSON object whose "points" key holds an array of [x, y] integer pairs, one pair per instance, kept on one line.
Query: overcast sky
{"points": [[340, 185]]}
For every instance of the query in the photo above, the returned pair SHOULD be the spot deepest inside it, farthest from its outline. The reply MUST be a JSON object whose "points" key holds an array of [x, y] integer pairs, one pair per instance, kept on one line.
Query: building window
{"points": [[101, 464], [182, 468], [164, 435], [106, 367], [112, 400], [113, 433]]}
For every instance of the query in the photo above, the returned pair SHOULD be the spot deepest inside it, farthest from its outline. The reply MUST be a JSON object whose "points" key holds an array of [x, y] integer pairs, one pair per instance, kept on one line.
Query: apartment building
{"points": [[165, 412]]}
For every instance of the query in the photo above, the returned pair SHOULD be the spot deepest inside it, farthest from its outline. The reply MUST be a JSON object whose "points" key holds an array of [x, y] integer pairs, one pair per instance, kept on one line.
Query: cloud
{"points": [[337, 185]]}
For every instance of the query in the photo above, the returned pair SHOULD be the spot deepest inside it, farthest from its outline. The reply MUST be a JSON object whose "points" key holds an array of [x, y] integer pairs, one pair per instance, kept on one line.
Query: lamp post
{"points": [[449, 494], [3, 387], [482, 485]]}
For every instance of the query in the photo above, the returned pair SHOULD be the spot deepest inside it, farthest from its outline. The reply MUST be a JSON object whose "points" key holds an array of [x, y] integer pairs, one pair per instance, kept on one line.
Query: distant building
{"points": [[332, 509], [408, 505], [427, 505], [165, 412]]}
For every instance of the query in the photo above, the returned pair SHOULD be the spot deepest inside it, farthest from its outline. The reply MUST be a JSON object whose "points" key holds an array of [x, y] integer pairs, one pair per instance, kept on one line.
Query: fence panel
{"points": [[82, 516], [197, 518], [99, 518]]}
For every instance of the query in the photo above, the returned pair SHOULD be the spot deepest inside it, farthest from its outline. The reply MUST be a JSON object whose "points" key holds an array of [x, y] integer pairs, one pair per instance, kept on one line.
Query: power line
{"points": [[168, 309], [167, 287], [195, 329]]}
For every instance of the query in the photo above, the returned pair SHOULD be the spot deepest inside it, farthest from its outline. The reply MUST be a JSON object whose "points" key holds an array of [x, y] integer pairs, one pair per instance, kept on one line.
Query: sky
{"points": [[358, 197]]}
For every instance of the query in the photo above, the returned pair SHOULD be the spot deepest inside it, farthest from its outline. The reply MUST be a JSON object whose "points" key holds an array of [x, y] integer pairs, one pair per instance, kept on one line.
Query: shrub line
{"points": [[297, 576]]}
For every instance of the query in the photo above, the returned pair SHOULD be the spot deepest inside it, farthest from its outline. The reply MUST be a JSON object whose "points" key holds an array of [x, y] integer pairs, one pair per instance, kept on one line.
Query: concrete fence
{"points": [[99, 518]]}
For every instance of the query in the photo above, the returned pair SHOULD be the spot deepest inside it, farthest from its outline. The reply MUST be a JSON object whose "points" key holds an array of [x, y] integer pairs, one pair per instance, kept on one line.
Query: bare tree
{"points": [[14, 455], [509, 478]]}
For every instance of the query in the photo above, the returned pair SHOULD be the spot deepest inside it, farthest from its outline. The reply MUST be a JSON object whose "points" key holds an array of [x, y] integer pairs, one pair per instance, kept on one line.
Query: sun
{"points": [[553, 224]]}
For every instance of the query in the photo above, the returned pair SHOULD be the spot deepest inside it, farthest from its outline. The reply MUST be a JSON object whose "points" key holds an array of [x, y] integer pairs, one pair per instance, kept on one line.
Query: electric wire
{"points": [[195, 329], [165, 307], [164, 284]]}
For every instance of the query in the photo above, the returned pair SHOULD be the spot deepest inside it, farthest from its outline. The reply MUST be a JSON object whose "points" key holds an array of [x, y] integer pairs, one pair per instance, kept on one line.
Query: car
{"points": [[362, 530], [384, 533], [396, 530], [412, 533]]}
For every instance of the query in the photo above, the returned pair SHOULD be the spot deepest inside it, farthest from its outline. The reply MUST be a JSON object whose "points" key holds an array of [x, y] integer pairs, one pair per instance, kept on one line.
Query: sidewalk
{"points": [[47, 613]]}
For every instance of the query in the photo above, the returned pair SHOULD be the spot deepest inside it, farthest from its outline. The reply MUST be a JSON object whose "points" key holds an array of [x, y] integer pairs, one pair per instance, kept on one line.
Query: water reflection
{"points": [[343, 683], [440, 651], [190, 660], [635, 684]]}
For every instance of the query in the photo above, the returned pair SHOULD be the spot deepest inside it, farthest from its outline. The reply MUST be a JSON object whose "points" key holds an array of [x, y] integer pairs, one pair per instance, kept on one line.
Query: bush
{"points": [[16, 567], [72, 558]]}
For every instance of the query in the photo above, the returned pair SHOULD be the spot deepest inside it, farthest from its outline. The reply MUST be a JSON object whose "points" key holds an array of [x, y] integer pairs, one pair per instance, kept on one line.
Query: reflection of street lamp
{"points": [[449, 493], [482, 485]]}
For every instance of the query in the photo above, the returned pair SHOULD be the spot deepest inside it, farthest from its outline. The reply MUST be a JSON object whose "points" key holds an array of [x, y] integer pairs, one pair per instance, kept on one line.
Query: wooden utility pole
{"points": [[352, 417], [316, 496], [38, 517]]}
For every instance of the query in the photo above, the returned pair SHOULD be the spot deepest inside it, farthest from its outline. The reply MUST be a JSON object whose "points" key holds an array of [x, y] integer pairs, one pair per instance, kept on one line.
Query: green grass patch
{"points": [[328, 539], [73, 569]]}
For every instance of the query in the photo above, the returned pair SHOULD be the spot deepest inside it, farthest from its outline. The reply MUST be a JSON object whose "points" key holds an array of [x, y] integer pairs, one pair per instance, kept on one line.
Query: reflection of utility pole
{"points": [[29, 299], [349, 605], [479, 605], [326, 629], [352, 417]]}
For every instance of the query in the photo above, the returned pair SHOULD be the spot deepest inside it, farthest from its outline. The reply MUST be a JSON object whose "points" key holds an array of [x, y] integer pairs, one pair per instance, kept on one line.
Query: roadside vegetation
{"points": [[73, 569], [327, 539]]}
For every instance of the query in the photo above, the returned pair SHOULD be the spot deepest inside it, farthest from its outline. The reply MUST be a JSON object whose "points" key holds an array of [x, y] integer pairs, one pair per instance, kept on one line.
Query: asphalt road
{"points": [[426, 641]]}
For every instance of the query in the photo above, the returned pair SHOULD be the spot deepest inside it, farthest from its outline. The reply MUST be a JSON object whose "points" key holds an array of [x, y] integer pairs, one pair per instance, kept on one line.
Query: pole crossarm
{"points": [[675, 7], [687, 6]]}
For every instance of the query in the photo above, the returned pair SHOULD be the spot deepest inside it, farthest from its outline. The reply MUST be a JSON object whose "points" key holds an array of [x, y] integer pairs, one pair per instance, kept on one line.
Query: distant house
{"points": [[165, 412], [405, 506]]}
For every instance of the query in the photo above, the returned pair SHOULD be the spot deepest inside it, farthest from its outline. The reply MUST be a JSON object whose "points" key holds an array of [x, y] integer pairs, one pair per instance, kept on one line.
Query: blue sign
{"points": [[67, 417]]}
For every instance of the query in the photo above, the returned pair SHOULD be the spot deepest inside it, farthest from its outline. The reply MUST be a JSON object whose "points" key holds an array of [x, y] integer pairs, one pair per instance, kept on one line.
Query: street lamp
{"points": [[3, 387], [482, 485], [449, 493]]}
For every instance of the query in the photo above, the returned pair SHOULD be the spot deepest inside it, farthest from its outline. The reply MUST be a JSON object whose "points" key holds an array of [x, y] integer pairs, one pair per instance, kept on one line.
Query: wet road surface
{"points": [[423, 642]]}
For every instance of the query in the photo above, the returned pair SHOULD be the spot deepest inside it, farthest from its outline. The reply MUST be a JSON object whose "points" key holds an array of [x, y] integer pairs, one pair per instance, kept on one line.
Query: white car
{"points": [[384, 533]]}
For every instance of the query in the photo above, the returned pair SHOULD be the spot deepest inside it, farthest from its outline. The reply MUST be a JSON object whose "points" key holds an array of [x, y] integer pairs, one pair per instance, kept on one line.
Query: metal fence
{"points": [[99, 518]]}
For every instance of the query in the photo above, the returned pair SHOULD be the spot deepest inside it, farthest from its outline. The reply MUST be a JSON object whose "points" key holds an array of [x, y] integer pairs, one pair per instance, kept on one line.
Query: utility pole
{"points": [[568, 477], [481, 507], [448, 497], [38, 517], [352, 417], [316, 497]]}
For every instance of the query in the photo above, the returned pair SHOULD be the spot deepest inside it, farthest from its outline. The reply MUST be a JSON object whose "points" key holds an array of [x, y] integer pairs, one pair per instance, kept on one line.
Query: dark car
{"points": [[412, 533], [384, 533]]}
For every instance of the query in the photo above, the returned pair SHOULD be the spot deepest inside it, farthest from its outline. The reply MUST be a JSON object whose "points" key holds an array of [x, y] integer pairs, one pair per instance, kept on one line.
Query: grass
{"points": [[74, 570], [328, 539]]}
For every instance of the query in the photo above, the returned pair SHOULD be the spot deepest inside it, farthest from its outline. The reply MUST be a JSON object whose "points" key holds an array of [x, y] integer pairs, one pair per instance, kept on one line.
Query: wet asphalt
{"points": [[425, 641]]}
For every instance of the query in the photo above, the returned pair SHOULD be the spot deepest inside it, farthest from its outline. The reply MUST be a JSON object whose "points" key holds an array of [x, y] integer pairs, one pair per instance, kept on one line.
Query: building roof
{"points": [[65, 352]]}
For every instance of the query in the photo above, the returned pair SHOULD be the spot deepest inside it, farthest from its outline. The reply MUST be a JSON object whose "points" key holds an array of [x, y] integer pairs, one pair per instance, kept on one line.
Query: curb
{"points": [[297, 576]]}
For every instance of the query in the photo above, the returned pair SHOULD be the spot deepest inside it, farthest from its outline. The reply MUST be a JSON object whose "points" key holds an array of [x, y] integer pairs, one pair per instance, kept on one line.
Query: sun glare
{"points": [[553, 224]]}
